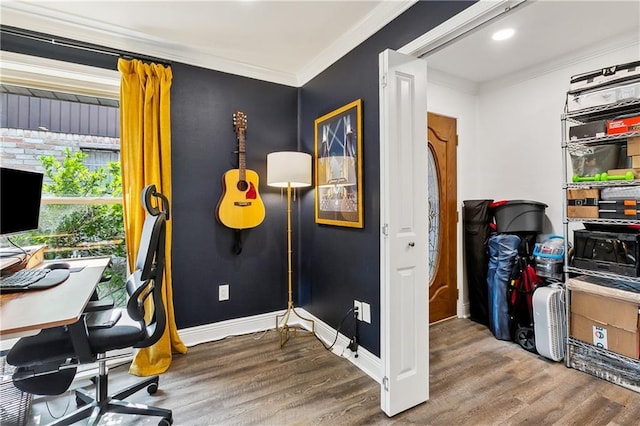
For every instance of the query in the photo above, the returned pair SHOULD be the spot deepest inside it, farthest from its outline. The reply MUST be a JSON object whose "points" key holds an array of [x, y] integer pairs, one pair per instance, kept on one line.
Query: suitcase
{"points": [[605, 76]]}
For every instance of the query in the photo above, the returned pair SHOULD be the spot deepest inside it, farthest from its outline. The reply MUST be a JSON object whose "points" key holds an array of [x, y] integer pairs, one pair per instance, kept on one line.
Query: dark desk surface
{"points": [[26, 313]]}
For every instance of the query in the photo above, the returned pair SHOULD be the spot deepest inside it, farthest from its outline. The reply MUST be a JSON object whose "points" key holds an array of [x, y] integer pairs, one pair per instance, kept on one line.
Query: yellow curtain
{"points": [[145, 139]]}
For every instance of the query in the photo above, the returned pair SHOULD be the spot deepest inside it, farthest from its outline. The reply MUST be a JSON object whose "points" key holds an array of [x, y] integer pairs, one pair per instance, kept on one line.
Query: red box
{"points": [[631, 124]]}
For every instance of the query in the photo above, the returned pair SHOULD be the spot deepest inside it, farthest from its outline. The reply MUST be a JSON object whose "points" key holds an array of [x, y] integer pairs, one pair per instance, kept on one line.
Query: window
{"points": [[97, 158], [72, 137]]}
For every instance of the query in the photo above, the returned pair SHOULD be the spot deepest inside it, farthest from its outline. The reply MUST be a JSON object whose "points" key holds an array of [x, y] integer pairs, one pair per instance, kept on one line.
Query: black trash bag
{"points": [[477, 217]]}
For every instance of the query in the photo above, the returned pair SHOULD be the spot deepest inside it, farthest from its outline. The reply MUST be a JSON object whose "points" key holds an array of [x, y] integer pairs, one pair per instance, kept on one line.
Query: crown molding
{"points": [[380, 16], [450, 81], [38, 17], [593, 51]]}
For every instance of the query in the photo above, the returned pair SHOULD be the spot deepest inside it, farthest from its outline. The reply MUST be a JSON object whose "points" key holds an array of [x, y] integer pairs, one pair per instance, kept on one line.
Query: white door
{"points": [[404, 298]]}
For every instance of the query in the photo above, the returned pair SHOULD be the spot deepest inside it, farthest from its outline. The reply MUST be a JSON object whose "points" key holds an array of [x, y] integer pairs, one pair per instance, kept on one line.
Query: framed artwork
{"points": [[338, 166]]}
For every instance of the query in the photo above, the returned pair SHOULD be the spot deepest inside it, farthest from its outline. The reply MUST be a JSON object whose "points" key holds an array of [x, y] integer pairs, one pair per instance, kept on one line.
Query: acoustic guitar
{"points": [[240, 206]]}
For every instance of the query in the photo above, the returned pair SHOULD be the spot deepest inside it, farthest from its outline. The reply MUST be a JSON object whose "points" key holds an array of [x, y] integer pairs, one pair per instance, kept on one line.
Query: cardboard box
{"points": [[606, 322], [635, 161], [624, 125], [583, 203], [622, 172], [633, 146]]}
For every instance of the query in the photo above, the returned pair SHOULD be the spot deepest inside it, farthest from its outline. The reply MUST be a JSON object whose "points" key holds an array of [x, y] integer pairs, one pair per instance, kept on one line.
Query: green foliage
{"points": [[73, 179], [81, 229]]}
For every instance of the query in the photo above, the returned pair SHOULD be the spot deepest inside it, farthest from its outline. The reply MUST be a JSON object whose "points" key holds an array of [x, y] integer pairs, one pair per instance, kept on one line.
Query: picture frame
{"points": [[338, 167]]}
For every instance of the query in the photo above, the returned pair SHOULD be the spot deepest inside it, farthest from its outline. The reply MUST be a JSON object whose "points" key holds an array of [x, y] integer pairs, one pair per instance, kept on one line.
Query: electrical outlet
{"points": [[366, 312], [358, 305], [223, 292]]}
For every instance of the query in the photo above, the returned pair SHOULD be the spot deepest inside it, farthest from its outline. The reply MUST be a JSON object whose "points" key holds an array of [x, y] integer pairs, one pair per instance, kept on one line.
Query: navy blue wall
{"points": [[340, 265], [336, 265], [203, 138]]}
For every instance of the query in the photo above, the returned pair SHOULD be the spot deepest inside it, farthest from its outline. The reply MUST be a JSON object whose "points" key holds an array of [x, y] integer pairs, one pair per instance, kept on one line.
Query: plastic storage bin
{"points": [[549, 257], [592, 160], [519, 216]]}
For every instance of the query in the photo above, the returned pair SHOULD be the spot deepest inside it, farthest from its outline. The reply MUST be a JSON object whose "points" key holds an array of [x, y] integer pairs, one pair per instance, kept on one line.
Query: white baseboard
{"points": [[464, 311], [366, 361], [217, 331]]}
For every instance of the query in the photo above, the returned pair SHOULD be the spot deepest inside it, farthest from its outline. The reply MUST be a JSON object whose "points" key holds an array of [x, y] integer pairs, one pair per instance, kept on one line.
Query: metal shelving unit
{"points": [[582, 356]]}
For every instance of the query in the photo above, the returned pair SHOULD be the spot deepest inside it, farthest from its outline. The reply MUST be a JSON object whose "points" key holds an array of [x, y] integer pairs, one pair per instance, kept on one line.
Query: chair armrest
{"points": [[102, 319], [99, 305]]}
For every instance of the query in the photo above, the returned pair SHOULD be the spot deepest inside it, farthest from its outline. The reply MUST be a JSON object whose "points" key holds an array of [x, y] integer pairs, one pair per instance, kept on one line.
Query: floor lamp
{"points": [[288, 169]]}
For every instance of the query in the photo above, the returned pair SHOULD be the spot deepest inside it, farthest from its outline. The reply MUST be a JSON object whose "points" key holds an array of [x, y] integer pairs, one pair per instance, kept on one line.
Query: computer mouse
{"points": [[60, 265]]}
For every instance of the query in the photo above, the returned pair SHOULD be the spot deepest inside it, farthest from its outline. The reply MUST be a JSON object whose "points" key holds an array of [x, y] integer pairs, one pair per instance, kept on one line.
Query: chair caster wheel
{"points": [[166, 422], [152, 388]]}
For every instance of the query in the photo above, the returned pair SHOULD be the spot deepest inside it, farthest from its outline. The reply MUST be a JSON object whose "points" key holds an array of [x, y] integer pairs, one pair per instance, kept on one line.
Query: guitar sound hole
{"points": [[242, 185]]}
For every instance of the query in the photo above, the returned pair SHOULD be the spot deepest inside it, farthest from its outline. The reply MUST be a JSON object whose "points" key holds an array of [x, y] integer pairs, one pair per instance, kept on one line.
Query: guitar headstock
{"points": [[239, 122]]}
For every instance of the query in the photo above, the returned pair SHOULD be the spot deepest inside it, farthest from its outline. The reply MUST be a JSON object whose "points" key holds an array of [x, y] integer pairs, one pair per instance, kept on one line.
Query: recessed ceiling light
{"points": [[503, 34]]}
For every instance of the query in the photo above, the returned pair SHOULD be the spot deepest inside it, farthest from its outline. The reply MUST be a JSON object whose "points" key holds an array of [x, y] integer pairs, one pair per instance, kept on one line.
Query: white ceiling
{"points": [[289, 42], [548, 34]]}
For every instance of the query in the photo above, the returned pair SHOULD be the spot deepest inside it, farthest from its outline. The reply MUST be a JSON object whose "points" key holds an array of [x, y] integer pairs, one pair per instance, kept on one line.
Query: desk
{"points": [[35, 256], [26, 313]]}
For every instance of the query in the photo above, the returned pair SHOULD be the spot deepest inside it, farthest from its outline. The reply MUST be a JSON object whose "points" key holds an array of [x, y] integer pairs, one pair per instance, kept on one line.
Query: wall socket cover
{"points": [[366, 313], [223, 292], [357, 304]]}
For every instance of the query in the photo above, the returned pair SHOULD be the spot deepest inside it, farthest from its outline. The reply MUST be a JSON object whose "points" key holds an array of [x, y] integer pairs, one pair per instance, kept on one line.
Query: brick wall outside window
{"points": [[21, 148]]}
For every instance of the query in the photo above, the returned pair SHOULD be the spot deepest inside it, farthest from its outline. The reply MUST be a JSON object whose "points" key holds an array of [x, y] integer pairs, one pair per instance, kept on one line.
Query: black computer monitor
{"points": [[20, 197]]}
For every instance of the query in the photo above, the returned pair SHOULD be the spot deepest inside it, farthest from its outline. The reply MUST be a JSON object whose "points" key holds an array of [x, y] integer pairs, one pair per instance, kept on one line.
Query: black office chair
{"points": [[46, 363]]}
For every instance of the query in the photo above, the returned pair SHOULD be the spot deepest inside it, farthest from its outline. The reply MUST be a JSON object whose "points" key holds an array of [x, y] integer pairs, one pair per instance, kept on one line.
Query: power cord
{"points": [[353, 344], [23, 261], [257, 335], [17, 246], [46, 402], [352, 310]]}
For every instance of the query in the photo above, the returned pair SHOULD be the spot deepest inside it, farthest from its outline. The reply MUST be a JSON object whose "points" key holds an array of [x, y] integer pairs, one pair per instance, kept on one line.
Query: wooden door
{"points": [[443, 288]]}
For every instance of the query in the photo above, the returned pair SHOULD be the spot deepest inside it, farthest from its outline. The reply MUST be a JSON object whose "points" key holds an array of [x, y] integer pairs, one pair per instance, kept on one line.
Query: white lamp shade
{"points": [[289, 167]]}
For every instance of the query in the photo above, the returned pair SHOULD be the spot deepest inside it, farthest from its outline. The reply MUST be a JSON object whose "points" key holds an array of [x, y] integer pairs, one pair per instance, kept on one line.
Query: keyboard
{"points": [[32, 279]]}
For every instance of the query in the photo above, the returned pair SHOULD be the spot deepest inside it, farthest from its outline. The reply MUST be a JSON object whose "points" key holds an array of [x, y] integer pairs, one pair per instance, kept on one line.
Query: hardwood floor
{"points": [[475, 380]]}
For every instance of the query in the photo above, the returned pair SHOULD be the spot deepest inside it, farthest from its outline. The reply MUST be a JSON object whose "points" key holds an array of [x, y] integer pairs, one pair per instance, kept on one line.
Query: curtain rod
{"points": [[75, 44]]}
